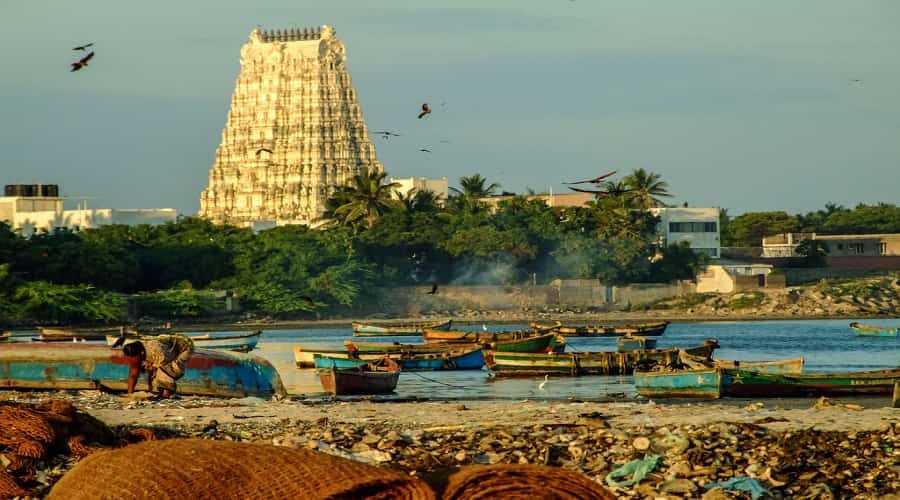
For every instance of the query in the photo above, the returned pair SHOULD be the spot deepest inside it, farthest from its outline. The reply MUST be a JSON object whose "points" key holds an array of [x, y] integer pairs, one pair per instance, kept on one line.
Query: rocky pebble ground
{"points": [[788, 462]]}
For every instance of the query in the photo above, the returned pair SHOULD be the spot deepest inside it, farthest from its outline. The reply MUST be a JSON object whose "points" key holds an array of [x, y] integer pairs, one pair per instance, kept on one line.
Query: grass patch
{"points": [[683, 302], [747, 299]]}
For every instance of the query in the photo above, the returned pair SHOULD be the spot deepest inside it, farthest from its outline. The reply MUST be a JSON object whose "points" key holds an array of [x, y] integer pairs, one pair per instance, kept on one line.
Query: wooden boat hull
{"points": [[4, 336], [549, 342], [584, 363], [370, 330], [874, 331], [748, 383], [643, 330], [89, 366], [437, 337], [359, 380], [704, 383], [629, 343], [385, 348], [457, 360], [242, 343]]}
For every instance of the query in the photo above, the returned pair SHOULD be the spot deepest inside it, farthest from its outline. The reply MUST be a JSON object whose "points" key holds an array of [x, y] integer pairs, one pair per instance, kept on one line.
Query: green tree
{"points": [[369, 196], [748, 230], [646, 189], [39, 300], [473, 189]]}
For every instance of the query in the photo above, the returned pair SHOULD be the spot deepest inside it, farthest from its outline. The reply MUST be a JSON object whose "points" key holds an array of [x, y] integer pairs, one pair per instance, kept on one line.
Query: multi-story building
{"points": [[699, 227], [440, 187], [836, 245], [32, 208]]}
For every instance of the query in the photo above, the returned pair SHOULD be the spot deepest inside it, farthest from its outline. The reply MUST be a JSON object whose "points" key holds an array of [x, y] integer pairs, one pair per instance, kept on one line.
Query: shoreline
{"points": [[500, 318]]}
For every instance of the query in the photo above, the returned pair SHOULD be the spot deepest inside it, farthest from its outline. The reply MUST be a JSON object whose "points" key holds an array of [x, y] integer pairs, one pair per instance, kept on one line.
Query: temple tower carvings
{"points": [[294, 98]]}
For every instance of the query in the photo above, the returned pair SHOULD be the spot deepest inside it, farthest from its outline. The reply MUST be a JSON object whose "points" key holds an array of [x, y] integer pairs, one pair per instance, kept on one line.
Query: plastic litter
{"points": [[741, 483], [637, 469]]}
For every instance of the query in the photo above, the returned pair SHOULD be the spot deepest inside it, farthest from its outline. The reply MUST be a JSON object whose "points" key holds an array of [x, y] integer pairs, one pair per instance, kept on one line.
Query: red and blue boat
{"points": [[53, 366]]}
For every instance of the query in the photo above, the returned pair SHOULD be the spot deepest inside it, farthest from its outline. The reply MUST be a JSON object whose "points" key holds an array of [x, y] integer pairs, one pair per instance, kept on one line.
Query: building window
{"points": [[882, 248], [857, 248], [692, 227]]}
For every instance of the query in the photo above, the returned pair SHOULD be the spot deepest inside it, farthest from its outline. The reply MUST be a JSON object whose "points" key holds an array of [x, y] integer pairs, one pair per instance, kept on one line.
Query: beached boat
{"points": [[398, 348], [4, 336], [585, 363], [242, 342], [66, 335], [634, 343], [654, 329], [25, 365], [394, 330], [377, 377], [742, 382], [550, 342], [874, 331], [461, 337], [705, 382], [471, 359]]}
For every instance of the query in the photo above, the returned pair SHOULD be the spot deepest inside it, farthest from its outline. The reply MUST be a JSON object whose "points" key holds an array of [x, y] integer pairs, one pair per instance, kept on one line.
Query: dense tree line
{"points": [[370, 239], [748, 230]]}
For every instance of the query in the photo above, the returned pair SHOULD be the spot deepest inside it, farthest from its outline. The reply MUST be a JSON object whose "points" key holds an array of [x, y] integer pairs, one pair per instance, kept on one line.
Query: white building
{"points": [[697, 226], [30, 214], [440, 187]]}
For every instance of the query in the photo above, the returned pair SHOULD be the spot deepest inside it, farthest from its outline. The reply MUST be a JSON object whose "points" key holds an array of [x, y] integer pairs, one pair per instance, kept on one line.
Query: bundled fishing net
{"points": [[522, 481], [31, 433], [202, 469]]}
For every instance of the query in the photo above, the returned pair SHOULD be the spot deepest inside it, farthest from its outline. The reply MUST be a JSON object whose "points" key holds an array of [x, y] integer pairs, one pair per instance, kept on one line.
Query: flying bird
{"points": [[425, 150], [82, 62], [595, 180], [260, 150], [387, 134], [425, 110], [83, 47], [433, 291]]}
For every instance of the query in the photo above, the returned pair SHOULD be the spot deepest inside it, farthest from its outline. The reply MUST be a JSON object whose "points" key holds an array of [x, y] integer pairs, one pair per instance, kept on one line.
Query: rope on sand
{"points": [[437, 381]]}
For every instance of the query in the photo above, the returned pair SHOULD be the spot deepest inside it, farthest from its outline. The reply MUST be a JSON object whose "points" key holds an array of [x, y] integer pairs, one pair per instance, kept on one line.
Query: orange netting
{"points": [[201, 469], [522, 481], [34, 432]]}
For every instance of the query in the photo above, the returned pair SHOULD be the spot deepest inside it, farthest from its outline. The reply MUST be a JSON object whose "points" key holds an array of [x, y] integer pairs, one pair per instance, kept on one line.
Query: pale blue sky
{"points": [[744, 105]]}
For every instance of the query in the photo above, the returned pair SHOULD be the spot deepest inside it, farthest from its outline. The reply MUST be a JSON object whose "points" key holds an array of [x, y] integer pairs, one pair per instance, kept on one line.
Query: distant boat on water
{"points": [[652, 329], [400, 329], [874, 331], [242, 342]]}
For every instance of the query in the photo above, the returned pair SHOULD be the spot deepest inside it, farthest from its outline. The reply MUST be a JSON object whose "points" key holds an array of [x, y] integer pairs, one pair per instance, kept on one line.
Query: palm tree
{"points": [[366, 197], [647, 188], [473, 189]]}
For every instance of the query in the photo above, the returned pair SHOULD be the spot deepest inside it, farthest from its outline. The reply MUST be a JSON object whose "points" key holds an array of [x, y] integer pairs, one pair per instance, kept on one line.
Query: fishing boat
{"points": [[25, 365], [461, 337], [242, 342], [471, 359], [874, 331], [377, 377], [550, 342], [743, 382], [395, 330], [65, 335], [4, 336], [654, 329], [705, 382], [398, 348], [586, 363], [634, 343]]}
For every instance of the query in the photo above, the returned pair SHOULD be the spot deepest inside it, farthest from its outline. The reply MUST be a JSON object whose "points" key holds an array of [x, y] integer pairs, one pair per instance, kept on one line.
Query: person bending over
{"points": [[163, 359]]}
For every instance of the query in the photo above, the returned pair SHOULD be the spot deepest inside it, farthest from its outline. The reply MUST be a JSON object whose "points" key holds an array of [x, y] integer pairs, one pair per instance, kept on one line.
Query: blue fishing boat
{"points": [[25, 365], [472, 359], [709, 382], [874, 331]]}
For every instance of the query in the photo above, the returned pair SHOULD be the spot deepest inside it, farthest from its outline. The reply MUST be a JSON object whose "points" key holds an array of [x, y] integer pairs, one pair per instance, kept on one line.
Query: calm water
{"points": [[826, 345]]}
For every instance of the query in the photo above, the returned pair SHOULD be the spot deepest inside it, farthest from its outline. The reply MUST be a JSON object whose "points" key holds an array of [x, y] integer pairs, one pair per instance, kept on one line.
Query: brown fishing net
{"points": [[30, 433], [522, 481], [201, 469]]}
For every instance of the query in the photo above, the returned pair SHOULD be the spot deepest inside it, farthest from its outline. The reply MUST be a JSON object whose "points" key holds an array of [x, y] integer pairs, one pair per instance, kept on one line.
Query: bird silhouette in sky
{"points": [[260, 150], [83, 47], [591, 191], [425, 110], [82, 62], [387, 134], [433, 290], [425, 150], [595, 180]]}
